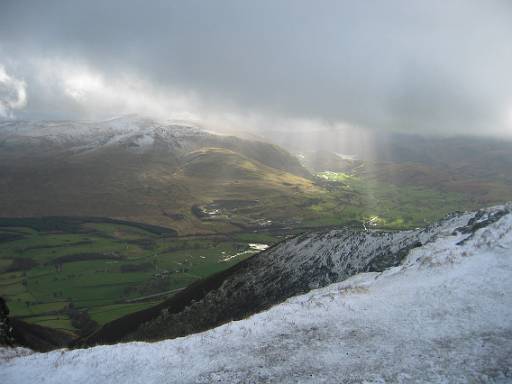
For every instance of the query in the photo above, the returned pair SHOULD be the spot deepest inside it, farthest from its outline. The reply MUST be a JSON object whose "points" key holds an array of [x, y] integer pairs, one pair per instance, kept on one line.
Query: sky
{"points": [[423, 66]]}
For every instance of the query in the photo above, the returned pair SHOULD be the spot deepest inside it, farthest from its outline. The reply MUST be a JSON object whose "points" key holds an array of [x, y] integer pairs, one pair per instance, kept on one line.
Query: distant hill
{"points": [[468, 157], [479, 179], [141, 170], [171, 175]]}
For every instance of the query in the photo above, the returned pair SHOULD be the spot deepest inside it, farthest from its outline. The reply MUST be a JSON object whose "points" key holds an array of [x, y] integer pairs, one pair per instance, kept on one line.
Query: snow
{"points": [[442, 316], [253, 248], [87, 135], [258, 246]]}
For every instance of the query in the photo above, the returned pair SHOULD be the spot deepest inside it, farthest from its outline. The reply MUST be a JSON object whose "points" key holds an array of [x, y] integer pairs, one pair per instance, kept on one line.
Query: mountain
{"points": [[478, 168], [441, 315], [295, 266], [484, 157], [473, 178], [130, 134], [138, 169], [193, 181]]}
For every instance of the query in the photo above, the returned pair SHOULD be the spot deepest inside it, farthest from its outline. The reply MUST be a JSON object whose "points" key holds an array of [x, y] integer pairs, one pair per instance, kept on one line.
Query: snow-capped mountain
{"points": [[137, 169], [133, 131], [129, 134], [441, 316]]}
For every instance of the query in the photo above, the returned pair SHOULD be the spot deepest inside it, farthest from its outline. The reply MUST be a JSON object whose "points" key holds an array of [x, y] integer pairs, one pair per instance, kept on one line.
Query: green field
{"points": [[98, 271]]}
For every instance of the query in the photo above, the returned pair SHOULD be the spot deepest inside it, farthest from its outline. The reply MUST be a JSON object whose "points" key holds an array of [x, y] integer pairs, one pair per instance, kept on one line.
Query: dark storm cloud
{"points": [[430, 66]]}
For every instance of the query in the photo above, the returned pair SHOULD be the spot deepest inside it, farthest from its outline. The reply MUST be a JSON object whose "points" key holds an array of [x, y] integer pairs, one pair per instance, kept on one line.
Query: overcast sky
{"points": [[430, 66]]}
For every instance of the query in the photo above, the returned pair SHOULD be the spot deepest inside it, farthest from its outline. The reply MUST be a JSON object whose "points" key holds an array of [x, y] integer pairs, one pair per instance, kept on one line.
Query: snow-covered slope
{"points": [[442, 316], [131, 134], [293, 267], [78, 136]]}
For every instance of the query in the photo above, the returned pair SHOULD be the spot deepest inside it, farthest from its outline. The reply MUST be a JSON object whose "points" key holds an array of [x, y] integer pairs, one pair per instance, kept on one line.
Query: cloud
{"points": [[427, 66], [89, 93], [13, 95]]}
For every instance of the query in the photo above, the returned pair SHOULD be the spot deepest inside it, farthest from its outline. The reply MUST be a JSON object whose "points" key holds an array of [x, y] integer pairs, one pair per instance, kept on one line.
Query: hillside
{"points": [[472, 176], [141, 170], [196, 182], [290, 268], [478, 169], [442, 315], [474, 157]]}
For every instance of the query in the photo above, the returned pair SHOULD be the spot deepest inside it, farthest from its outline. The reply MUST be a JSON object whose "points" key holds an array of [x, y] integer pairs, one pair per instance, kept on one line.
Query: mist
{"points": [[428, 67]]}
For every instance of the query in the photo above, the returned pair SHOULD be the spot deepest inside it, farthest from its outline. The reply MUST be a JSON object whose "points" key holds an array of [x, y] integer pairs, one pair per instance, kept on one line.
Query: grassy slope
{"points": [[151, 190], [401, 195], [388, 205]]}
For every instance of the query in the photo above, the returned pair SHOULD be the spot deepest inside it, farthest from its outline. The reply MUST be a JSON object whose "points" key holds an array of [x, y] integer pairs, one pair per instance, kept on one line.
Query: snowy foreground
{"points": [[444, 316]]}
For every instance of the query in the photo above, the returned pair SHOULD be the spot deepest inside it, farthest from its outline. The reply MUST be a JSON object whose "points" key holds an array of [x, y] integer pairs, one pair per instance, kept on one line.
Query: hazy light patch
{"points": [[13, 95], [82, 85], [98, 95], [508, 120]]}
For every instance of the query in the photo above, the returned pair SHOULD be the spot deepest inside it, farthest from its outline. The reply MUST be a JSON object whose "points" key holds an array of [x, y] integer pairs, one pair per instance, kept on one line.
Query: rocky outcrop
{"points": [[290, 268], [6, 331], [15, 332]]}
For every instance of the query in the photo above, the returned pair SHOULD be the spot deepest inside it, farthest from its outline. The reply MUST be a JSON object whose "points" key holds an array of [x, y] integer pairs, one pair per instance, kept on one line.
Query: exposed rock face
{"points": [[6, 331], [39, 338], [14, 332], [295, 266]]}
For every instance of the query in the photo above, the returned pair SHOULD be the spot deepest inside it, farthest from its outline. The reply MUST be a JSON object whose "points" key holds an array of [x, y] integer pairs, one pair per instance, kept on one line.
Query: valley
{"points": [[255, 192], [55, 270], [101, 220]]}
